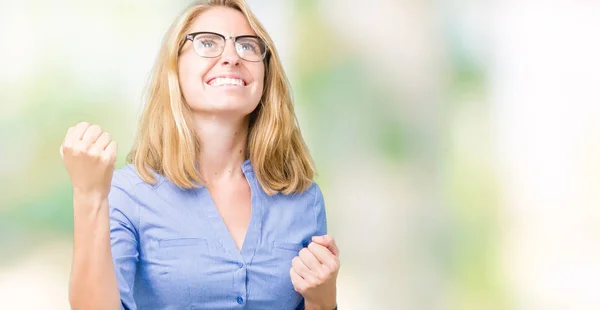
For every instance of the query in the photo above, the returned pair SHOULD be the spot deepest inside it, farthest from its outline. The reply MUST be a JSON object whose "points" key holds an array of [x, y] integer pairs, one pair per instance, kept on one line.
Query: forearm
{"points": [[93, 283]]}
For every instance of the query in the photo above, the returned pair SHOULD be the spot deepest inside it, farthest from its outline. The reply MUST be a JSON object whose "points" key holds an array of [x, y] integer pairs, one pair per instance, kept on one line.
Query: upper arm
{"points": [[124, 224], [320, 214]]}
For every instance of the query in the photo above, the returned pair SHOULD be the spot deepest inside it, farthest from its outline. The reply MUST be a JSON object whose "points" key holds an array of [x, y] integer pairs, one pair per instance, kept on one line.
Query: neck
{"points": [[222, 148]]}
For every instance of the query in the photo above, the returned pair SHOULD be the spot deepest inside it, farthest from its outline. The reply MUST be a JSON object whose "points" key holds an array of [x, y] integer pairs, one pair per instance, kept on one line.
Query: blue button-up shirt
{"points": [[171, 249]]}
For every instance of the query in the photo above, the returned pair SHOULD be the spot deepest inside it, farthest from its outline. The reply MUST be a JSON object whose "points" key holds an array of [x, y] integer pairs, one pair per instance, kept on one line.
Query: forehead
{"points": [[224, 20]]}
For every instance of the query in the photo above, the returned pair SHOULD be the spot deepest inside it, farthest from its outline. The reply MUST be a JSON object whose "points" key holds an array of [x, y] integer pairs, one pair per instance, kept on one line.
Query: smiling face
{"points": [[226, 83]]}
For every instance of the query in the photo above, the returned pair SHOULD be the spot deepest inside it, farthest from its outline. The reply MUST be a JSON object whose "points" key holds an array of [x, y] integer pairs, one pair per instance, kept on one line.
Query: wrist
{"points": [[310, 305], [88, 207], [92, 199]]}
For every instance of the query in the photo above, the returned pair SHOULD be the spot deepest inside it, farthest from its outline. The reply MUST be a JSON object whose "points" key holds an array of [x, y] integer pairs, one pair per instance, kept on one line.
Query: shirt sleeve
{"points": [[124, 224], [320, 214]]}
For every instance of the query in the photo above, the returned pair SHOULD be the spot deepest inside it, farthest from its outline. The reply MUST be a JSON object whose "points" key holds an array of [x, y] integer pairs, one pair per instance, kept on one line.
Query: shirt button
{"points": [[241, 265], [240, 300]]}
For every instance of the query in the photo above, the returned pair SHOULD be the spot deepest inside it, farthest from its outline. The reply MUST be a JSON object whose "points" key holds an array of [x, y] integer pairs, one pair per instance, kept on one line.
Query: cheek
{"points": [[260, 86], [186, 79], [190, 75], [260, 82]]}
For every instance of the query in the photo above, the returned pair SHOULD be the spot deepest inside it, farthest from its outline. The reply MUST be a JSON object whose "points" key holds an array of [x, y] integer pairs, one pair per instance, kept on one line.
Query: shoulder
{"points": [[127, 177], [314, 192], [128, 188], [317, 203], [310, 196]]}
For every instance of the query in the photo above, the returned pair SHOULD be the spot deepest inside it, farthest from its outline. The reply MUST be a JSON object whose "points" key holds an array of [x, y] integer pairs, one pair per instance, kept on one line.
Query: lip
{"points": [[230, 76]]}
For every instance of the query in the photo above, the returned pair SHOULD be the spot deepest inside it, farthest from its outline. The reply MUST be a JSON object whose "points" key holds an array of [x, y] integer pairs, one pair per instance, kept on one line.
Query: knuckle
{"points": [[67, 145], [295, 261], [94, 129], [105, 159], [79, 149], [301, 288], [329, 268], [112, 145], [94, 153], [320, 278], [326, 269], [304, 251], [83, 125], [331, 272]]}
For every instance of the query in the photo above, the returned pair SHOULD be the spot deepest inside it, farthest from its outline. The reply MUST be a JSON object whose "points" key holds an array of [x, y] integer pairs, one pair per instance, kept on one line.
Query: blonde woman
{"points": [[217, 208]]}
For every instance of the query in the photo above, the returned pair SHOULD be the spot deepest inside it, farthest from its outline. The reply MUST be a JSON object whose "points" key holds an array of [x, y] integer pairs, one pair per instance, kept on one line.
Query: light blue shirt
{"points": [[171, 249]]}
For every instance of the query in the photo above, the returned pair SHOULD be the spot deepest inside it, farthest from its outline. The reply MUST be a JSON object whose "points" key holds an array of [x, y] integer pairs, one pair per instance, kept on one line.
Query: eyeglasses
{"points": [[211, 45]]}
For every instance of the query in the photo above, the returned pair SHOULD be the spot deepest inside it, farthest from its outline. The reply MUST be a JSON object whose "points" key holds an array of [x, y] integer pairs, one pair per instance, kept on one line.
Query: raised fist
{"points": [[89, 155]]}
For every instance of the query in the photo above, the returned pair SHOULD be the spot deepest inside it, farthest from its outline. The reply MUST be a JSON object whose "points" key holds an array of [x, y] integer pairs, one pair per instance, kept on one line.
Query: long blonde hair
{"points": [[167, 144]]}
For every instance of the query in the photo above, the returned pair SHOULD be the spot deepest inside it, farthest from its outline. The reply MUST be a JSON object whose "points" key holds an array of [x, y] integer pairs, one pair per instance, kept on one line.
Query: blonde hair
{"points": [[167, 144]]}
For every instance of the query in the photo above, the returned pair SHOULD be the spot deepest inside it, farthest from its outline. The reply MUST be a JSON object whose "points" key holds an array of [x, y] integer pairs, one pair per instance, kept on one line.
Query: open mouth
{"points": [[225, 81]]}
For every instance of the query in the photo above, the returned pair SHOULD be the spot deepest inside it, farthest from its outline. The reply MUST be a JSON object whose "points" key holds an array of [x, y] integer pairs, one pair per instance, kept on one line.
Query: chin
{"points": [[226, 107]]}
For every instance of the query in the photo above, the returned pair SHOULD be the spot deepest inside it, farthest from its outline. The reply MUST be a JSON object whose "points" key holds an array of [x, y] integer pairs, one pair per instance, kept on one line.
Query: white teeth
{"points": [[226, 81]]}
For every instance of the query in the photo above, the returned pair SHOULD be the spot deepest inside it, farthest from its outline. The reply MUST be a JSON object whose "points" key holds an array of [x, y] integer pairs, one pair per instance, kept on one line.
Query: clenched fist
{"points": [[89, 155], [314, 273]]}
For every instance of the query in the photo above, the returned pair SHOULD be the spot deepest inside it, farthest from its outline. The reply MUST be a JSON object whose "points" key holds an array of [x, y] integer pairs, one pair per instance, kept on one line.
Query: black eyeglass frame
{"points": [[192, 36]]}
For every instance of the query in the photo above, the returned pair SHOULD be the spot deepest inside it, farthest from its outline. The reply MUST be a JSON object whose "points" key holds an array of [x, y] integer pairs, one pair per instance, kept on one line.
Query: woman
{"points": [[217, 208]]}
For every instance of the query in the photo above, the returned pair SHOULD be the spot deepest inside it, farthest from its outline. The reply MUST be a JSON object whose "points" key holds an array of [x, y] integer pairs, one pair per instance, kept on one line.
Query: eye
{"points": [[248, 46], [207, 43]]}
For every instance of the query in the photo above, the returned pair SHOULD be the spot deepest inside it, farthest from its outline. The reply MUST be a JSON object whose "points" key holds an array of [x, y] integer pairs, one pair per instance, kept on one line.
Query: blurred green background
{"points": [[457, 142]]}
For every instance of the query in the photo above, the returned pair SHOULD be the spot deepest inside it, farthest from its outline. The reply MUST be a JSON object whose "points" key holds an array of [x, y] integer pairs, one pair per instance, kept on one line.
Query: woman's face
{"points": [[226, 84]]}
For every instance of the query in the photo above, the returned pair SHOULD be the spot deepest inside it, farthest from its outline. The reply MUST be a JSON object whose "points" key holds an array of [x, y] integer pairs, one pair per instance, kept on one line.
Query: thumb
{"points": [[326, 241], [322, 240]]}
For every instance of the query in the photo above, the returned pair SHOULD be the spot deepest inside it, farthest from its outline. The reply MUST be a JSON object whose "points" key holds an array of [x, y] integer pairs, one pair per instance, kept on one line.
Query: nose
{"points": [[230, 57]]}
